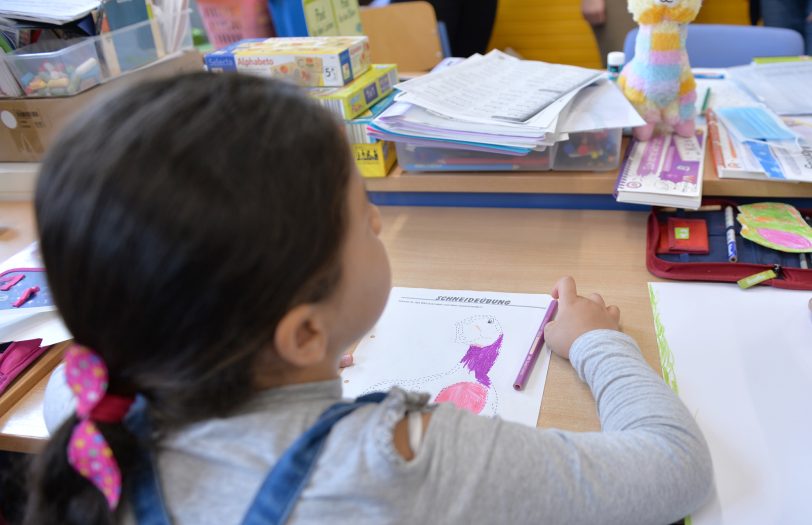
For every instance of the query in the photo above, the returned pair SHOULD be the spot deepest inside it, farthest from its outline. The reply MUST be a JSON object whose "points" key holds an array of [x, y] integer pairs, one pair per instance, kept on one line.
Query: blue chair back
{"points": [[714, 45]]}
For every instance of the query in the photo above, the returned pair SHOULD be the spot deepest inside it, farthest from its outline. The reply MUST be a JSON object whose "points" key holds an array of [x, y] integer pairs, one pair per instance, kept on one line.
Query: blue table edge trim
{"points": [[562, 201]]}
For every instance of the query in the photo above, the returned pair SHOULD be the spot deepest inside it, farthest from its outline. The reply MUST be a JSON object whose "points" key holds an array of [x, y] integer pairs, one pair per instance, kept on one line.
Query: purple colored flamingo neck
{"points": [[480, 360]]}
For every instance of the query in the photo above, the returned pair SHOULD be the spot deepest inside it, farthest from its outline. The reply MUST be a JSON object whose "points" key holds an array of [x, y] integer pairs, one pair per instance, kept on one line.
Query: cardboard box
{"points": [[328, 61], [356, 97], [29, 125], [374, 160]]}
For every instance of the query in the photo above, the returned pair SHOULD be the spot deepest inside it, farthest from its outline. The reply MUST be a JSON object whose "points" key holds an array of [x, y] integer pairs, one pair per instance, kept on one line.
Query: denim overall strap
{"points": [[145, 494], [280, 491]]}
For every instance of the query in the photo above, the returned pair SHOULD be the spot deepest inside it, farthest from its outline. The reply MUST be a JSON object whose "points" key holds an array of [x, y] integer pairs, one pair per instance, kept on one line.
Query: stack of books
{"points": [[337, 72], [737, 159]]}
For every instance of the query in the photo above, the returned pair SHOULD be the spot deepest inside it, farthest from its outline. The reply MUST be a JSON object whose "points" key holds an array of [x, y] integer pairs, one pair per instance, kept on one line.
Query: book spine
{"points": [[357, 133], [337, 106]]}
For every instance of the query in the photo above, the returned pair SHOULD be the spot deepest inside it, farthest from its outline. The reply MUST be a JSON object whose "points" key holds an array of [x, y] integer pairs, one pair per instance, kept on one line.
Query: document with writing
{"points": [[461, 347], [498, 87], [50, 11]]}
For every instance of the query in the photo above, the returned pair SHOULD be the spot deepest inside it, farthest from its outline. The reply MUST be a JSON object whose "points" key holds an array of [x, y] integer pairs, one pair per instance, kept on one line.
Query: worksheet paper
{"points": [[741, 360], [499, 88], [462, 347]]}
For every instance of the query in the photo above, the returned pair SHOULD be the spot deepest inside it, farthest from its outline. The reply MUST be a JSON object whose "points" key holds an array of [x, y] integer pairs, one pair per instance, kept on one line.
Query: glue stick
{"points": [[614, 62]]}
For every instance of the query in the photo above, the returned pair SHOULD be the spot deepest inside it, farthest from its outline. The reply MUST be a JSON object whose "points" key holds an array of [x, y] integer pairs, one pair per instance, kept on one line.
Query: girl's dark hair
{"points": [[179, 221]]}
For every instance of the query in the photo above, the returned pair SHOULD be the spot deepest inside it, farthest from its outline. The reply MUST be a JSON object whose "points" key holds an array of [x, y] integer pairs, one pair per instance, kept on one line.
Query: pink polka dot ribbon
{"points": [[88, 452]]}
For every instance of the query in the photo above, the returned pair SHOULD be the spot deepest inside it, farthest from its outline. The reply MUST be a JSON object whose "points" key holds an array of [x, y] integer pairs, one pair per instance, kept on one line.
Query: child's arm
{"points": [[649, 465]]}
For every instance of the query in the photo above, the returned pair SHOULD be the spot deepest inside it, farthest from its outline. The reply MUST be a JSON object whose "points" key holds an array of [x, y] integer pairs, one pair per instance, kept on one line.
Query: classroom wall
{"points": [[554, 31]]}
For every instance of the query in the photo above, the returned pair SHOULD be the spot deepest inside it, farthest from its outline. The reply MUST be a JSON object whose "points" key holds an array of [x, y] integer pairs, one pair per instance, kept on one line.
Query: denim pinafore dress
{"points": [[277, 495]]}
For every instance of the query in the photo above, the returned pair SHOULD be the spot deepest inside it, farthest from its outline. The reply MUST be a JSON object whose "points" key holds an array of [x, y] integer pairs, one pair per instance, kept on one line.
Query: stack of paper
{"points": [[737, 159], [782, 86], [494, 103], [48, 11]]}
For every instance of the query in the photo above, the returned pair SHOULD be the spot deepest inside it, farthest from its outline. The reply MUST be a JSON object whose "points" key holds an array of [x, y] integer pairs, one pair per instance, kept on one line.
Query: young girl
{"points": [[210, 246]]}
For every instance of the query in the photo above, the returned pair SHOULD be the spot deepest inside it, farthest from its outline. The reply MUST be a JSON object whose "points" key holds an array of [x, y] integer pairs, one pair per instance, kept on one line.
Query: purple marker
{"points": [[535, 348]]}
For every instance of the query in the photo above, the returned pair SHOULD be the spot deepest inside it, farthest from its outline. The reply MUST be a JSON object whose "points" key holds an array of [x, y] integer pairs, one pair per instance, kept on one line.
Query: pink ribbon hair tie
{"points": [[88, 452]]}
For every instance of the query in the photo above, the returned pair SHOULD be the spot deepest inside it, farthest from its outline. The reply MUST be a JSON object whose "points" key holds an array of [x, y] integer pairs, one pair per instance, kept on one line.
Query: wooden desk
{"points": [[17, 181], [568, 182], [512, 250]]}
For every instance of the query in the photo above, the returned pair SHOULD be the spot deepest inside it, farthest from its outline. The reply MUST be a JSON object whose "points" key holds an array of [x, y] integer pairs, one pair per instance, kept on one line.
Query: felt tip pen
{"points": [[535, 348], [730, 232], [705, 101]]}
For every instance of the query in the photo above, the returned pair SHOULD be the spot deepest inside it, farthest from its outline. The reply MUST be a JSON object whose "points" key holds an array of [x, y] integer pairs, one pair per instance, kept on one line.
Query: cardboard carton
{"points": [[29, 125]]}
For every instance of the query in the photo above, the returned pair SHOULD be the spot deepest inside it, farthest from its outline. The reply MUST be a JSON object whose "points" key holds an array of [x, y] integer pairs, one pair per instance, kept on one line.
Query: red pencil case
{"points": [[714, 265]]}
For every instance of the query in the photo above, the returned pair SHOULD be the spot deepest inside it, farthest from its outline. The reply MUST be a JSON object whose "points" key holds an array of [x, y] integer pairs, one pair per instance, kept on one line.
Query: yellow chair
{"points": [[404, 34]]}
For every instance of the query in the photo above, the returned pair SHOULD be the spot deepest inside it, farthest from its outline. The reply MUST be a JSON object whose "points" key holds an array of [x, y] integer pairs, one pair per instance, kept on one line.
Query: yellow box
{"points": [[356, 97], [374, 160]]}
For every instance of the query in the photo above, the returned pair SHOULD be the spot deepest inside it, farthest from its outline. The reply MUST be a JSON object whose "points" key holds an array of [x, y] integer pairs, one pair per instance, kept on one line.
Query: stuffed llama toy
{"points": [[658, 80]]}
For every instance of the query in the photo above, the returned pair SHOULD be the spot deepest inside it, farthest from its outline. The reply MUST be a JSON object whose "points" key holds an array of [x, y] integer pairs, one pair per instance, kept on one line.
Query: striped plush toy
{"points": [[658, 80]]}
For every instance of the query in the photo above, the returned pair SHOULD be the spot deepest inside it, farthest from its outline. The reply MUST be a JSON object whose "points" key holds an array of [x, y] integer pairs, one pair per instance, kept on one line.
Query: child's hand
{"points": [[577, 316]]}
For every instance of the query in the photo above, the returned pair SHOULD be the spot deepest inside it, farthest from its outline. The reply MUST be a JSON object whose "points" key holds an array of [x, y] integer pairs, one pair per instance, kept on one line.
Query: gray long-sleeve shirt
{"points": [[649, 465]]}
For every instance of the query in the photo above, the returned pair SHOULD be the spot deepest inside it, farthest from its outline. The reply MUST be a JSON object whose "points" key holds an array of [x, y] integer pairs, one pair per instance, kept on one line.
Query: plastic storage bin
{"points": [[56, 67], [426, 158], [66, 67], [137, 45], [590, 151]]}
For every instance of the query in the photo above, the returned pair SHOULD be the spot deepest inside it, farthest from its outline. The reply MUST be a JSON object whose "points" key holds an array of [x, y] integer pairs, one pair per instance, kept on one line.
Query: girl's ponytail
{"points": [[78, 478]]}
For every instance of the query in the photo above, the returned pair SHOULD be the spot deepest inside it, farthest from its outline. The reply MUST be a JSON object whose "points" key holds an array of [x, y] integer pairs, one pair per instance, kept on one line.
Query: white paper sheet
{"points": [[455, 348], [52, 11], [28, 257], [44, 323], [497, 87], [724, 93], [600, 106], [783, 86], [30, 323], [742, 363]]}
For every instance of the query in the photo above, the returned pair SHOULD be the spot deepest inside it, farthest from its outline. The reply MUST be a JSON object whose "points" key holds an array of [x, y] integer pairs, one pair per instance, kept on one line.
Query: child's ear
{"points": [[301, 336]]}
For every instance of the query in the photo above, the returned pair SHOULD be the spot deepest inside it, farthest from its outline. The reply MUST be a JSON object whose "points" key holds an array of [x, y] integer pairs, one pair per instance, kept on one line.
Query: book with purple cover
{"points": [[664, 171]]}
